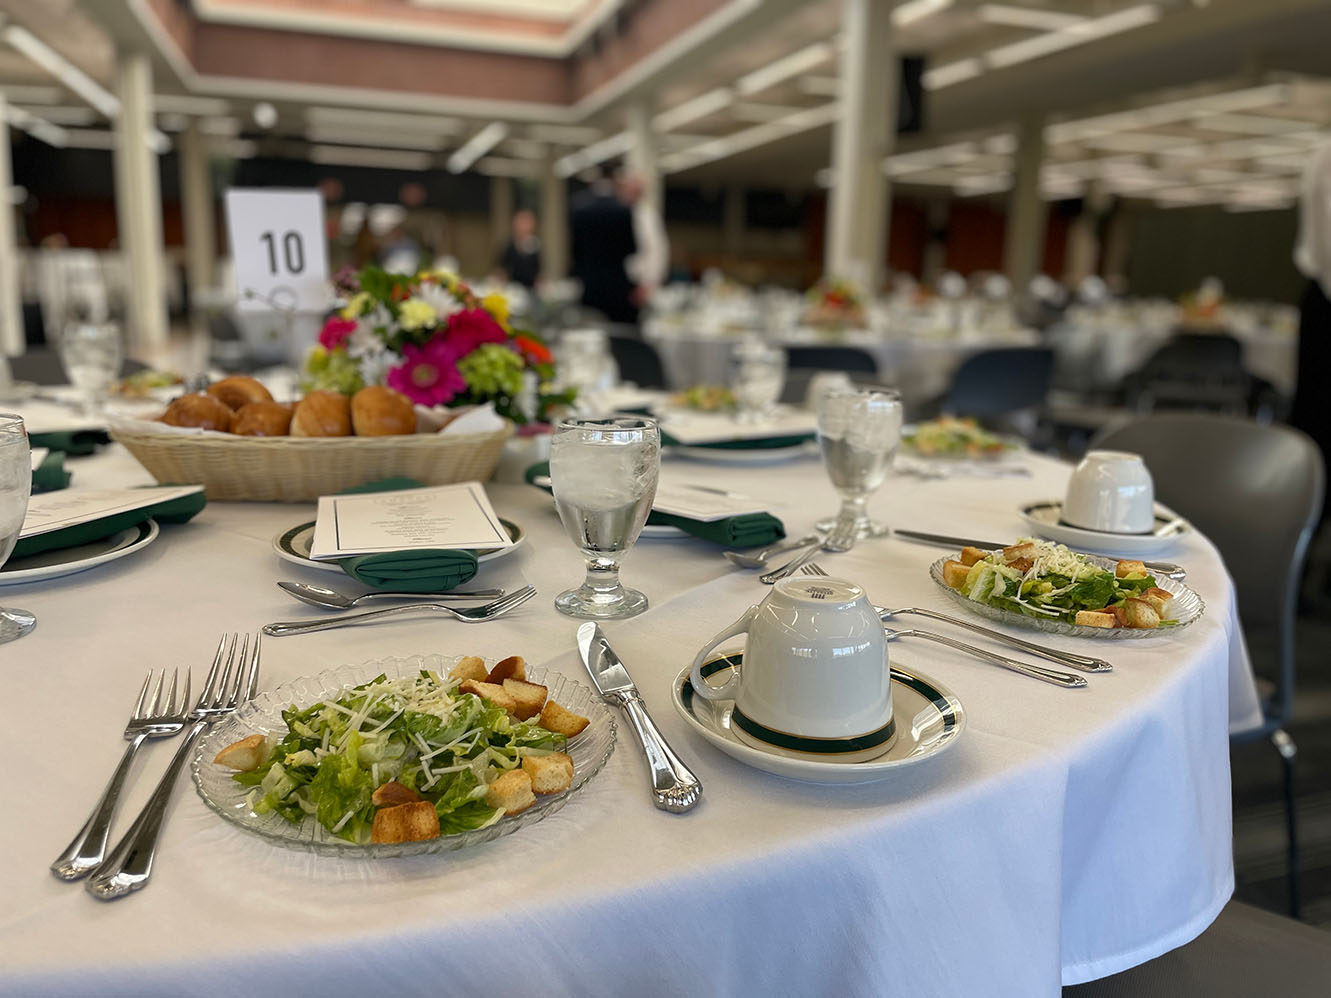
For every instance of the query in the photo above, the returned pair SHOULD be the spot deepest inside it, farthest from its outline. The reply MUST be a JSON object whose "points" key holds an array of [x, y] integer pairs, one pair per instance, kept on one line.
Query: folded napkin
{"points": [[50, 475], [75, 443], [747, 531], [430, 570], [757, 443], [176, 510]]}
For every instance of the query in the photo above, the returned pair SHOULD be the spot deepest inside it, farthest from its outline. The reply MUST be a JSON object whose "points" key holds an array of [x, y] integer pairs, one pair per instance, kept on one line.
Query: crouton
{"points": [[1022, 565], [1094, 618], [512, 792], [530, 697], [1130, 570], [562, 722], [414, 822], [393, 793], [244, 755], [513, 667], [970, 555], [954, 573], [1015, 551], [489, 691], [550, 774], [471, 667], [1120, 615], [1140, 614], [1161, 599]]}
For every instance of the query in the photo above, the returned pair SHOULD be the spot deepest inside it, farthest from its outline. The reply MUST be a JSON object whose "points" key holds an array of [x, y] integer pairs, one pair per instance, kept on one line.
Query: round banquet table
{"points": [[1066, 836]]}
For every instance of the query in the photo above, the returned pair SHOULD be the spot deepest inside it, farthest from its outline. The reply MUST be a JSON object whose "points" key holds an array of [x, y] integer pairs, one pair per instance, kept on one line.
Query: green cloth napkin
{"points": [[747, 531], [431, 570], [760, 443], [176, 510], [75, 443], [50, 475]]}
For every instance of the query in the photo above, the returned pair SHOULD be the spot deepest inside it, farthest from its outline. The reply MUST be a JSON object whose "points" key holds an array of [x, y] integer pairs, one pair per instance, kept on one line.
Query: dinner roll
{"points": [[238, 391], [322, 414], [381, 412], [262, 419], [198, 410]]}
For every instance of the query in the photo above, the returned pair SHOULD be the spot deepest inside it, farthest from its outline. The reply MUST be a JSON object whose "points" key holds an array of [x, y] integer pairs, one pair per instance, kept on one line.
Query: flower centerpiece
{"points": [[430, 337], [836, 303]]}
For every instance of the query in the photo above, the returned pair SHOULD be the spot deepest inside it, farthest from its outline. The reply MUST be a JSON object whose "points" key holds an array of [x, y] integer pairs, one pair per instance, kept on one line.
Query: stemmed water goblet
{"points": [[859, 428], [91, 353], [603, 474], [15, 486], [758, 373]]}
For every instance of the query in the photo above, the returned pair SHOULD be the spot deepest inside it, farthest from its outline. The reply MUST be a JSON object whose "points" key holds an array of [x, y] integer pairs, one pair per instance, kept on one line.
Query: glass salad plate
{"points": [[1187, 608], [589, 750]]}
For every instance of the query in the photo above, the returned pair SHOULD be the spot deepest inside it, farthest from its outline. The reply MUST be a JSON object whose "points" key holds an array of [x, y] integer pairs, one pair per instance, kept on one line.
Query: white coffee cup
{"points": [[814, 678], [1111, 491]]}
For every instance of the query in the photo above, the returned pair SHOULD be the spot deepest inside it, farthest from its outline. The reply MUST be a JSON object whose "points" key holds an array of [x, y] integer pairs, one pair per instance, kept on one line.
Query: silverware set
{"points": [[468, 615], [231, 682]]}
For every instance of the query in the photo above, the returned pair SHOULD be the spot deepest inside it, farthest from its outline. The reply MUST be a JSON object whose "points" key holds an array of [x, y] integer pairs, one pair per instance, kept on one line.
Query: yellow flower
{"points": [[496, 305], [416, 314], [357, 306], [445, 277]]}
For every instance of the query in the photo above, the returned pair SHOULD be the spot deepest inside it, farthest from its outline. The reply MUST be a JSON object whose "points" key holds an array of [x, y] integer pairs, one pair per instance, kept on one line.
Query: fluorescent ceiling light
{"points": [[439, 125], [477, 146], [693, 109], [67, 115], [597, 152], [985, 183], [1247, 124], [923, 159], [1136, 142], [750, 138], [38, 128], [784, 68], [1027, 17], [748, 111], [203, 107], [1170, 111], [913, 11], [62, 69], [1072, 36], [374, 139], [950, 73], [387, 159]]}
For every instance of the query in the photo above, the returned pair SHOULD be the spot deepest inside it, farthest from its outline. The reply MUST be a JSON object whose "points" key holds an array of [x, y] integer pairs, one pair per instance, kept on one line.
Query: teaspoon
{"points": [[331, 599]]}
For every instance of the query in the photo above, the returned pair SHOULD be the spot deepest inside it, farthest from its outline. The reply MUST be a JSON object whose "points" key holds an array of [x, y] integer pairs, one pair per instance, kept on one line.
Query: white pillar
{"points": [[196, 208], [554, 221], [864, 133], [643, 153], [501, 216], [1083, 252], [11, 309], [139, 207], [1023, 240]]}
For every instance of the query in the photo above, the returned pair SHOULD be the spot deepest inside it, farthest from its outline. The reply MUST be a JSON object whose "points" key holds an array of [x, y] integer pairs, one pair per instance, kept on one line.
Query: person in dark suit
{"points": [[521, 259], [602, 240]]}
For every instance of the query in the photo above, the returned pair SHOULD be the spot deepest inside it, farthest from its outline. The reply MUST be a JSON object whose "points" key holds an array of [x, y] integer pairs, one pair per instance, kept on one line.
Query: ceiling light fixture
{"points": [[62, 69], [1027, 17], [782, 69], [914, 11], [38, 128], [597, 152], [693, 109], [951, 73], [1072, 36], [477, 146], [749, 138]]}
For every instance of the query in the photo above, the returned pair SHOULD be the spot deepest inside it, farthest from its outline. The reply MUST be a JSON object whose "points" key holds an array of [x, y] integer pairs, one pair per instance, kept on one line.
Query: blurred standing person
{"points": [[521, 259], [1312, 255], [601, 241], [649, 267]]}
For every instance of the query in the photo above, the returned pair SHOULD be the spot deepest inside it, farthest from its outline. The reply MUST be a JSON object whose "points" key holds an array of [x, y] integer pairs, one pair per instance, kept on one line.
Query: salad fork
{"points": [[1082, 662], [149, 720], [130, 864], [842, 538], [469, 615]]}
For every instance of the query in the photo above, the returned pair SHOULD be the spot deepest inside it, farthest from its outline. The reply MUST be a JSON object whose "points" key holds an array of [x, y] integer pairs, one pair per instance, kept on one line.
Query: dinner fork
{"points": [[469, 615], [842, 538], [1082, 662], [149, 720], [131, 862]]}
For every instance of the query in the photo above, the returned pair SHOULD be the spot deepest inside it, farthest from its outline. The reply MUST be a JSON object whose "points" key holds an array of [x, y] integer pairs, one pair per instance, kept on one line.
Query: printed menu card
{"points": [[443, 516], [70, 507]]}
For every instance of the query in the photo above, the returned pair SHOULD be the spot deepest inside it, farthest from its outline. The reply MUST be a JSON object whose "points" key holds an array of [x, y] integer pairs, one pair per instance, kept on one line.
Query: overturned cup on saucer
{"points": [[814, 678], [1110, 491]]}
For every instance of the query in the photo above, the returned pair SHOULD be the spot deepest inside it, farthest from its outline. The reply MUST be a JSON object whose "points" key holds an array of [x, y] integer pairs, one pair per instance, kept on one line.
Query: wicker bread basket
{"points": [[300, 469]]}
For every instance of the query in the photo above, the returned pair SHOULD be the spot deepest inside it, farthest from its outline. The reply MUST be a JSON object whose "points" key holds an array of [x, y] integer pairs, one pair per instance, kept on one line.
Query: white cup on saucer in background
{"points": [[1110, 491], [814, 678]]}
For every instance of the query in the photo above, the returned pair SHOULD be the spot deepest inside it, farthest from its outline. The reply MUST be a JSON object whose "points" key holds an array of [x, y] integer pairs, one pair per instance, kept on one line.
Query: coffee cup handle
{"points": [[730, 688]]}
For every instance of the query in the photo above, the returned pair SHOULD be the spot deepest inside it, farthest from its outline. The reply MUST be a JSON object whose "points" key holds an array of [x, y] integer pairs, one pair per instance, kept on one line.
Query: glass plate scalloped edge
{"points": [[1185, 600], [589, 749]]}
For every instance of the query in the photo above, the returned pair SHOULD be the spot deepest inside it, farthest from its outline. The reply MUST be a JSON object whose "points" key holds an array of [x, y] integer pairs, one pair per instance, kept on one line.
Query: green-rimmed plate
{"points": [[67, 561], [294, 543]]}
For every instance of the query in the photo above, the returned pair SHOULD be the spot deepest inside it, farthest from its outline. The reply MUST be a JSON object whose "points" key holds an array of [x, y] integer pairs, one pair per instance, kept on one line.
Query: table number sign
{"points": [[280, 251]]}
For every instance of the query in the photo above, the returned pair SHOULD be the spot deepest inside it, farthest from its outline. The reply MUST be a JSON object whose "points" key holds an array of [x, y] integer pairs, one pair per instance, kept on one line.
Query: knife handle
{"points": [[674, 787]]}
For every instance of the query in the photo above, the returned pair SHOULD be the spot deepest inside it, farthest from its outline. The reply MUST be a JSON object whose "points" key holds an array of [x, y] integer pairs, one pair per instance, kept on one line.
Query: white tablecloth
{"points": [[1068, 834]]}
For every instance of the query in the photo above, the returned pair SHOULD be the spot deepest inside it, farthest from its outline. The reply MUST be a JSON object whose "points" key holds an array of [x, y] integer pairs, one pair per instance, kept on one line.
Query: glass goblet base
{"points": [[587, 603], [864, 529], [15, 623]]}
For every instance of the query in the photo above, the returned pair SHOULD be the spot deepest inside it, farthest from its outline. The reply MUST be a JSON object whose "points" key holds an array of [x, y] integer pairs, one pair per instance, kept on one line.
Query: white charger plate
{"points": [[294, 543], [1045, 518], [69, 561], [929, 721]]}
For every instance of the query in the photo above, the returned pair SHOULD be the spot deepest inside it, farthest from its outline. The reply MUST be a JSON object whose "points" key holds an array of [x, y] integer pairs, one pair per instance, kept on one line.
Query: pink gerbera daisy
{"points": [[335, 332], [429, 374]]}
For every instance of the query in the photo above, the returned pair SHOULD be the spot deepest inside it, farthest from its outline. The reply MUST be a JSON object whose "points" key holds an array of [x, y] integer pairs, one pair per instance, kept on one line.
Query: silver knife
{"points": [[674, 787], [1165, 568]]}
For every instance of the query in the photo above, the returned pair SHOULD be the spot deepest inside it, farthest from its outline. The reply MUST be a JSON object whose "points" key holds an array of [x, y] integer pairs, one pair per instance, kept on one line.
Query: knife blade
{"points": [[674, 787], [1177, 572]]}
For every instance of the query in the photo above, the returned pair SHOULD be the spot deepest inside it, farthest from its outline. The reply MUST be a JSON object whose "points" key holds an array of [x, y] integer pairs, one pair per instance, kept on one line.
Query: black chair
{"points": [[992, 385], [1197, 371], [1257, 492], [1245, 952], [638, 361], [852, 360], [43, 367]]}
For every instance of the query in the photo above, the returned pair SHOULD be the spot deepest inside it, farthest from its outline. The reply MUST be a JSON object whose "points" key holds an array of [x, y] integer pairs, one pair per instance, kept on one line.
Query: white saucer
{"points": [[929, 720], [1045, 519], [294, 543], [68, 561], [744, 455]]}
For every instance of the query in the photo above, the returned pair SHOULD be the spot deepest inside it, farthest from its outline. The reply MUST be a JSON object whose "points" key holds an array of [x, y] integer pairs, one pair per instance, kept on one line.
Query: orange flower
{"points": [[533, 351]]}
